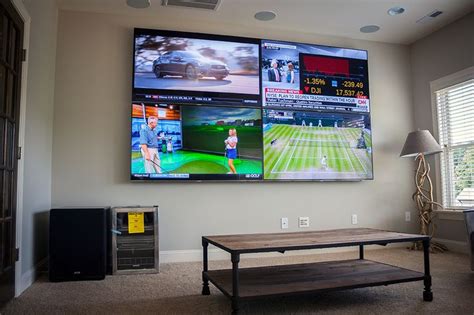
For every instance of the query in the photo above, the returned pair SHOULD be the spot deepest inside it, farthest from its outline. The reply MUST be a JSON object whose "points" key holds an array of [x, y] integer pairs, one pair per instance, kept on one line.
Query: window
{"points": [[455, 113]]}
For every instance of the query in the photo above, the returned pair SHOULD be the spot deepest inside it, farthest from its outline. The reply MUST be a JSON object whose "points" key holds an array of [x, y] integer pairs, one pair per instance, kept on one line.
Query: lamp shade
{"points": [[420, 141]]}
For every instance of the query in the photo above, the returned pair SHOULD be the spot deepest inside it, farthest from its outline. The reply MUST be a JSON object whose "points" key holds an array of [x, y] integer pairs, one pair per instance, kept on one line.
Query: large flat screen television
{"points": [[210, 107]]}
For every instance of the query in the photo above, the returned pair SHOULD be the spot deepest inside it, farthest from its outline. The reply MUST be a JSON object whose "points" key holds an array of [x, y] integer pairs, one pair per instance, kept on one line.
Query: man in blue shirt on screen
{"points": [[149, 146]]}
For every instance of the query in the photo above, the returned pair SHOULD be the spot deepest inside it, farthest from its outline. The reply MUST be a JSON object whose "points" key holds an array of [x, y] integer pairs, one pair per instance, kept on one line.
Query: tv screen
{"points": [[210, 107], [190, 68], [316, 117], [193, 142], [313, 145], [303, 76]]}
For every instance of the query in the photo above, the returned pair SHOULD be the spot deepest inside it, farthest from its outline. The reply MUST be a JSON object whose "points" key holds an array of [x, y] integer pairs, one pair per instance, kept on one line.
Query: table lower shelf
{"points": [[313, 277]]}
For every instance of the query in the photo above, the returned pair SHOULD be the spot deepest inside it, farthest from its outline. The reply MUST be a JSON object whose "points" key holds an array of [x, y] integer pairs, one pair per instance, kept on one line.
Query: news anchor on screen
{"points": [[274, 75]]}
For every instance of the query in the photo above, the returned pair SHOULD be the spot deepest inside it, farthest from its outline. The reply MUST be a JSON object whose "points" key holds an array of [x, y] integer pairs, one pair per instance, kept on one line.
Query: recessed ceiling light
{"points": [[265, 15], [395, 11], [369, 29], [138, 4]]}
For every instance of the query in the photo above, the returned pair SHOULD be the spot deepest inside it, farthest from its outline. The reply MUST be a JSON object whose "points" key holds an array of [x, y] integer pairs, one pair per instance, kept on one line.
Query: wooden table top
{"points": [[266, 242]]}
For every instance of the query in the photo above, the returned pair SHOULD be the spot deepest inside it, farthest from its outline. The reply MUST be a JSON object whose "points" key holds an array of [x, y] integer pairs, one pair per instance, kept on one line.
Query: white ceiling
{"points": [[326, 17]]}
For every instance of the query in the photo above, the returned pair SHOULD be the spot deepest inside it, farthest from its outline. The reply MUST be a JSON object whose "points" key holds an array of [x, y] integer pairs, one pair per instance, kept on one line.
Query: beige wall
{"points": [[92, 132], [442, 53], [38, 133]]}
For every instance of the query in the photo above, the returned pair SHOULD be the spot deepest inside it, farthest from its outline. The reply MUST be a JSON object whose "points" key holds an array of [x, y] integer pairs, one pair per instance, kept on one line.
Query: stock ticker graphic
{"points": [[330, 83], [341, 80]]}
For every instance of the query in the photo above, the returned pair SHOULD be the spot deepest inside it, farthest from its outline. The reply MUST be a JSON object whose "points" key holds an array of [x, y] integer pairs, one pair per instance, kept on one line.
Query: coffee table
{"points": [[241, 284]]}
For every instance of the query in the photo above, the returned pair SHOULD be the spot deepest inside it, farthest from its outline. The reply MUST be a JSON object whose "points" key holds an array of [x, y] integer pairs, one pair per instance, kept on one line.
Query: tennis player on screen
{"points": [[231, 149], [324, 163]]}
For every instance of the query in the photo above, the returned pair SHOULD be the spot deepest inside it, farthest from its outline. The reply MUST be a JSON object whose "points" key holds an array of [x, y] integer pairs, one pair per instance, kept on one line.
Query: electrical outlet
{"points": [[407, 216], [354, 219], [303, 222], [284, 223]]}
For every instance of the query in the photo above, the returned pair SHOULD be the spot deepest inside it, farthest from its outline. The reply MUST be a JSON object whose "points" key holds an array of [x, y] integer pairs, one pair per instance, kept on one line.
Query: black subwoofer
{"points": [[78, 243]]}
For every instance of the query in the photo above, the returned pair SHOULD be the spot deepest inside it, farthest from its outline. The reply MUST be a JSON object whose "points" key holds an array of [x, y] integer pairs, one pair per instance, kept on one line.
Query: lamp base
{"points": [[423, 198], [435, 247]]}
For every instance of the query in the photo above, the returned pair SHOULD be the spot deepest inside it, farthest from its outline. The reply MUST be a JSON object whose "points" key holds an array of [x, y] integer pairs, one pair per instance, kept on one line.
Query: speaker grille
{"points": [[77, 244], [197, 4], [429, 17]]}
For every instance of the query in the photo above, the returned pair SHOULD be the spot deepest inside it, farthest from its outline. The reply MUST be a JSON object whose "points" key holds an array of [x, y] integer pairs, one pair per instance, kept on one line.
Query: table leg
{"points": [[205, 281], [361, 251], [235, 283], [427, 294]]}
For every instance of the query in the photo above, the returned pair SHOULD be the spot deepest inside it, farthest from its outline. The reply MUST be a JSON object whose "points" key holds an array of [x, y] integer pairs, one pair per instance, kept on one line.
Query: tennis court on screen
{"points": [[309, 152]]}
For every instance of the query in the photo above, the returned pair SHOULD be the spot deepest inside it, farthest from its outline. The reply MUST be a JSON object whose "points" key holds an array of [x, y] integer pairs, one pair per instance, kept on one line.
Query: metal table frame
{"points": [[235, 258]]}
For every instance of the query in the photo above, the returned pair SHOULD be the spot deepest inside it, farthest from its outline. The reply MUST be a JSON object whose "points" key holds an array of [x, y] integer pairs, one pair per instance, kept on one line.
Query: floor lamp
{"points": [[419, 144]]}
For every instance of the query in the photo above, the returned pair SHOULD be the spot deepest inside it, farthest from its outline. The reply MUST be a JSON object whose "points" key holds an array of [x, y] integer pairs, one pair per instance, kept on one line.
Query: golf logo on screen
{"points": [[210, 107]]}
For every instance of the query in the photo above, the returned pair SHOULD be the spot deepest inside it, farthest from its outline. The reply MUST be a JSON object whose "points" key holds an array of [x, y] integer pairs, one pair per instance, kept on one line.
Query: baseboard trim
{"points": [[193, 255], [454, 246], [30, 276]]}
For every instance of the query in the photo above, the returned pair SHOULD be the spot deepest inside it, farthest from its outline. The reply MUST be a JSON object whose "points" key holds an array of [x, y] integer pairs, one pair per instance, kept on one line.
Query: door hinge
{"points": [[17, 254], [23, 55], [18, 153]]}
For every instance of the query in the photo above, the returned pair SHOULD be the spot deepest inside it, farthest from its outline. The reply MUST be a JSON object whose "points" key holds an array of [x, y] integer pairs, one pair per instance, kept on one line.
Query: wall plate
{"points": [[303, 222], [284, 223]]}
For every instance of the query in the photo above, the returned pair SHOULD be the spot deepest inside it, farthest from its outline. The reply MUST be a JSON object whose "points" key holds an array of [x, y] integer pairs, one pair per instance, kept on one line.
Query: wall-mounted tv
{"points": [[210, 107], [190, 68]]}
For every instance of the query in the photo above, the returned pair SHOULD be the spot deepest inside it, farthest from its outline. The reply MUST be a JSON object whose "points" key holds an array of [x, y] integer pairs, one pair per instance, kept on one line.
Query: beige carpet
{"points": [[176, 290]]}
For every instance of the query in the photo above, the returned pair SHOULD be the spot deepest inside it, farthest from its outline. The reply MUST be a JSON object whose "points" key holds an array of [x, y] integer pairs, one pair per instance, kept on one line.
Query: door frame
{"points": [[20, 284]]}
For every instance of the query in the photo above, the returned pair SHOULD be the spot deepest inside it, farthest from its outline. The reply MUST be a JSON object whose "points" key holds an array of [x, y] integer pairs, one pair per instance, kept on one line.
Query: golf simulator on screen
{"points": [[197, 142]]}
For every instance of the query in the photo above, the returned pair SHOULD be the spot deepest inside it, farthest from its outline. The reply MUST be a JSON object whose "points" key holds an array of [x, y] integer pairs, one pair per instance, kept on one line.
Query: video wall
{"points": [[210, 107]]}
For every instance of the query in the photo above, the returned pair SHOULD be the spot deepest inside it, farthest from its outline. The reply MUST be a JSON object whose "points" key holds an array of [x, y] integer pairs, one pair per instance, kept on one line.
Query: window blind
{"points": [[456, 136]]}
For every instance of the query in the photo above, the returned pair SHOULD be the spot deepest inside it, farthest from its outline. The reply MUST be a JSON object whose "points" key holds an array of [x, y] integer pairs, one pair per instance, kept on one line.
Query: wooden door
{"points": [[11, 51]]}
